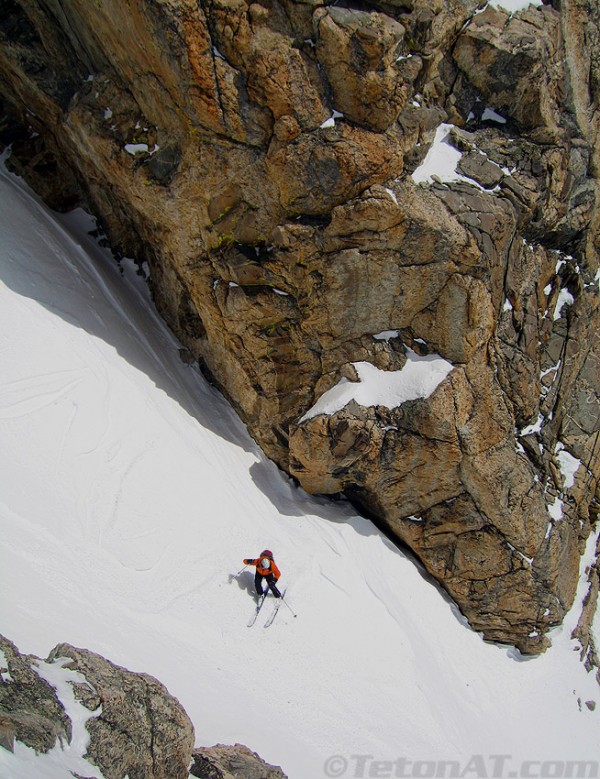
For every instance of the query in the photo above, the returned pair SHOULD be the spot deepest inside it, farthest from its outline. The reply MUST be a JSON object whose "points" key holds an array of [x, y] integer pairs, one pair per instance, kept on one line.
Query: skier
{"points": [[267, 570]]}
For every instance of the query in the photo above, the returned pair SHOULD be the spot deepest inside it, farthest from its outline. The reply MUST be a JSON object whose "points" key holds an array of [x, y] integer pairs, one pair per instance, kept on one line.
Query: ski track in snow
{"points": [[131, 493], [35, 392]]}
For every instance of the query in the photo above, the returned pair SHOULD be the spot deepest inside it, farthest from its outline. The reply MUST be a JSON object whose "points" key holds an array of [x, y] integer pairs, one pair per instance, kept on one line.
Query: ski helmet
{"points": [[265, 563], [267, 553]]}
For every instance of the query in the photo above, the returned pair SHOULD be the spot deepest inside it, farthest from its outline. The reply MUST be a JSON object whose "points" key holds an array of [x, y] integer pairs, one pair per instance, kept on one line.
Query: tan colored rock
{"points": [[515, 61], [358, 50], [317, 171], [445, 478], [276, 74], [465, 306]]}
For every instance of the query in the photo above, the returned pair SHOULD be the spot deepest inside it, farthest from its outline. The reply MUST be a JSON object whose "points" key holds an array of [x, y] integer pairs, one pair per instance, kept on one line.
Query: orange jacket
{"points": [[264, 571]]}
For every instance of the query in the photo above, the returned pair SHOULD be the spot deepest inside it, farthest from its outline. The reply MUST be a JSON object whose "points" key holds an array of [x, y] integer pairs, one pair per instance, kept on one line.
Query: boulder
{"points": [[142, 731], [232, 762], [30, 712]]}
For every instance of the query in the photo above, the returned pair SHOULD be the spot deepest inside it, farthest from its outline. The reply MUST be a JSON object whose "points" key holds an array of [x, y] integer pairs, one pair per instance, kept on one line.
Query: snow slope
{"points": [[130, 492]]}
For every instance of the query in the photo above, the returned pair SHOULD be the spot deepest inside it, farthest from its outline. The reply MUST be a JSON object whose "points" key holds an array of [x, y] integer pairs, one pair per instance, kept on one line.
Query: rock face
{"points": [[259, 158], [29, 709], [142, 731], [232, 762], [135, 727]]}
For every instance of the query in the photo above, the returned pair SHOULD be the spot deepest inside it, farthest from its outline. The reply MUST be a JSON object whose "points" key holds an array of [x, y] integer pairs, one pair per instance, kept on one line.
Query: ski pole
{"points": [[289, 607], [241, 569]]}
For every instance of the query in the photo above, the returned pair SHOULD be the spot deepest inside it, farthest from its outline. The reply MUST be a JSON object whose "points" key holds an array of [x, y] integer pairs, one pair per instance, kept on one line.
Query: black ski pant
{"points": [[271, 581]]}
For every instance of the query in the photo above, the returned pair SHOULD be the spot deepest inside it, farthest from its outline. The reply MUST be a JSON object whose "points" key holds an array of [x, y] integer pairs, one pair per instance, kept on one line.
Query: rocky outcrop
{"points": [[232, 762], [134, 728], [260, 158], [29, 709], [589, 651], [141, 730]]}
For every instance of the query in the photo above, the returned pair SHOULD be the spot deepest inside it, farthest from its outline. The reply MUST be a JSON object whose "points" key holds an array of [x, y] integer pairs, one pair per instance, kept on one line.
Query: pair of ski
{"points": [[259, 606]]}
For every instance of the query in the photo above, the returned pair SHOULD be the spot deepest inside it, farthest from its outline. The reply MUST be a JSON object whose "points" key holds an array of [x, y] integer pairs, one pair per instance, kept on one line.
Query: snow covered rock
{"points": [[141, 730], [78, 712], [584, 630], [30, 711], [446, 455], [86, 714]]}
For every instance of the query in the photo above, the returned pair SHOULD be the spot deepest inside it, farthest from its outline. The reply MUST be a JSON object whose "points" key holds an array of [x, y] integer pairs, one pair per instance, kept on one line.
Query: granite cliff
{"points": [[257, 160]]}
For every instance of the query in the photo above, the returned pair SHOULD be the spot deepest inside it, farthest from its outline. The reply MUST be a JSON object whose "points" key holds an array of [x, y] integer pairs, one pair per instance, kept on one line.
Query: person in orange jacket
{"points": [[265, 570]]}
